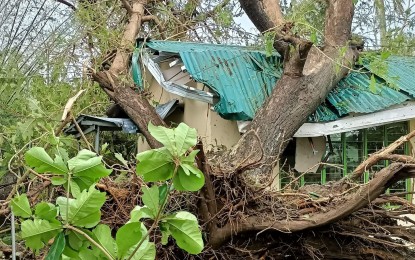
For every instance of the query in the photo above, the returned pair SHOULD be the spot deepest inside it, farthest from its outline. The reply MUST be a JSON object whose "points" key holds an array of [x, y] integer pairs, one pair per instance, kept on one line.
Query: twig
{"points": [[156, 219], [103, 249], [39, 175], [81, 133], [375, 157]]}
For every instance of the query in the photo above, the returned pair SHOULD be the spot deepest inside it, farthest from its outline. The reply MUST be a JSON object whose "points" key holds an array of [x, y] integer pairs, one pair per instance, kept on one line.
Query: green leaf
{"points": [[372, 85], [104, 238], [147, 251], [44, 210], [140, 212], [83, 211], [163, 193], [87, 254], [121, 159], [163, 135], [155, 165], [313, 37], [38, 232], [165, 233], [384, 55], [88, 164], [151, 199], [75, 190], [21, 207], [37, 158], [185, 137], [185, 230], [190, 159], [177, 140], [57, 247], [77, 241], [58, 180], [84, 182], [128, 236], [193, 180]]}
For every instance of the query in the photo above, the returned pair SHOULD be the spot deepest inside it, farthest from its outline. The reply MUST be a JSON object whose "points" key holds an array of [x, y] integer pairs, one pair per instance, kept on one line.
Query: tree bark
{"points": [[295, 97], [380, 11]]}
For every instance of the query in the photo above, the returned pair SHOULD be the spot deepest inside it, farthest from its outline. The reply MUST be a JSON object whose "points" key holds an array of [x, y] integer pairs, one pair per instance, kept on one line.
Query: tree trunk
{"points": [[296, 96]]}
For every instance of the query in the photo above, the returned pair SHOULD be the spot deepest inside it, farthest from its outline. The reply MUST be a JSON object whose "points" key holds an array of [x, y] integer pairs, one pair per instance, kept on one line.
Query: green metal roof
{"points": [[243, 77], [353, 94]]}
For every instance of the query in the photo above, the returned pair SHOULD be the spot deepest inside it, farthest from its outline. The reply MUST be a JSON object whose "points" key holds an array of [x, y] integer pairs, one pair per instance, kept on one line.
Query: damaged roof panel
{"points": [[177, 47], [243, 77], [400, 73], [235, 76], [353, 95]]}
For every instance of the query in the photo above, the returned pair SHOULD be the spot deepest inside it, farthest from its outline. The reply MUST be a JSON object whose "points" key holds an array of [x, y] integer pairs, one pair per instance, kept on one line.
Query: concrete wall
{"points": [[216, 132]]}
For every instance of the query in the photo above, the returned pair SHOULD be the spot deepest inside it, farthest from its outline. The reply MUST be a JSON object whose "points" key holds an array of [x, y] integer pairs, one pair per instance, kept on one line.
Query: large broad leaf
{"points": [[184, 228], [121, 159], [84, 182], [87, 254], [56, 250], [37, 158], [185, 137], [38, 232], [104, 238], [177, 140], [128, 236], [45, 210], [87, 164], [188, 178], [151, 199], [83, 211], [147, 251], [163, 135], [190, 158], [77, 241], [21, 207], [141, 212], [155, 165]]}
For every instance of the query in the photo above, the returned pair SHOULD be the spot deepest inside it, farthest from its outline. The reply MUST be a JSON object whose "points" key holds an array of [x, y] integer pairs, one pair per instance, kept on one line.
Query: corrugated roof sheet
{"points": [[177, 47], [353, 94], [243, 77], [400, 73]]}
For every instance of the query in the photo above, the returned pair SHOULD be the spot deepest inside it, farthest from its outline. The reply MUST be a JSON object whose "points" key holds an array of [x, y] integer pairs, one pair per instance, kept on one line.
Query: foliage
{"points": [[73, 223]]}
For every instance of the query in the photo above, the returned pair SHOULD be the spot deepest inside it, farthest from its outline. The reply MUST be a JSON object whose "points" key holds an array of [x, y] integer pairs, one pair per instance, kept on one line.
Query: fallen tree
{"points": [[231, 209], [342, 219]]}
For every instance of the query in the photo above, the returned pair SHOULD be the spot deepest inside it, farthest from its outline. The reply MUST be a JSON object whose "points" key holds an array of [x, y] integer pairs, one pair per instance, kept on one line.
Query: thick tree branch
{"points": [[122, 58], [385, 153], [127, 6], [338, 28], [155, 19], [134, 104], [267, 16]]}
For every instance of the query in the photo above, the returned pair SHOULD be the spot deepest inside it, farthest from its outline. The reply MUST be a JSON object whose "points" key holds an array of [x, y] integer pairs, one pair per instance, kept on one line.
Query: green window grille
{"points": [[351, 148]]}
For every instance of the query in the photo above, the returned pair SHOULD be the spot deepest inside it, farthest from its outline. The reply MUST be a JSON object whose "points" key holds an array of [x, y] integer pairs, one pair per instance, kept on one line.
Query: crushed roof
{"points": [[243, 77]]}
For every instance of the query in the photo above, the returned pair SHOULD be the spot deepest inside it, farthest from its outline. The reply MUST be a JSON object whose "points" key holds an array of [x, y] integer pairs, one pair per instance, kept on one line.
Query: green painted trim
{"points": [[344, 151], [365, 155]]}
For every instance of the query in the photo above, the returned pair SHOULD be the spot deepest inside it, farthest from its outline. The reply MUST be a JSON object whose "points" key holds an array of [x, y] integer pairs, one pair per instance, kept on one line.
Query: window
{"points": [[349, 149]]}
